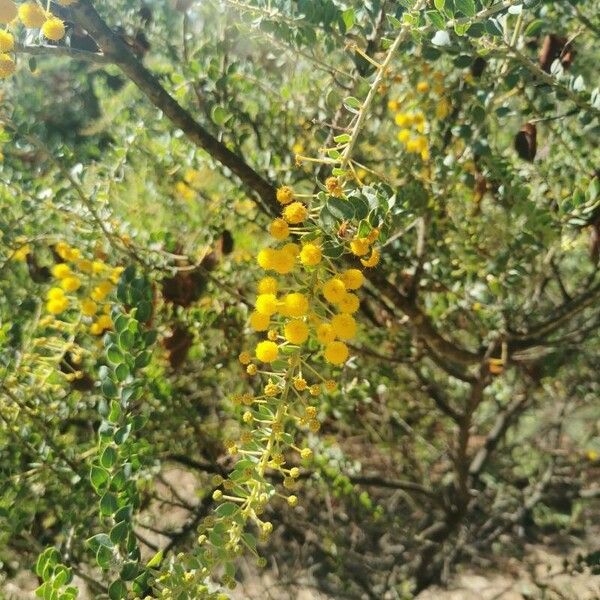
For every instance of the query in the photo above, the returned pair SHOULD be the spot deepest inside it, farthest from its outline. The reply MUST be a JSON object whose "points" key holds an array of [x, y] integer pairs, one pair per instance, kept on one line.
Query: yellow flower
{"points": [[55, 293], [98, 266], [310, 255], [53, 29], [279, 229], [344, 326], [300, 384], [88, 307], [295, 213], [115, 274], [61, 270], [296, 331], [393, 105], [284, 261], [266, 304], [71, 283], [259, 322], [442, 109], [325, 333], [422, 87], [32, 15], [57, 305], [402, 119], [295, 305], [84, 265], [267, 285], [7, 66], [349, 303], [334, 290], [373, 260], [104, 322], [291, 249], [359, 246], [306, 453], [285, 194], [8, 11], [7, 41], [334, 187], [101, 291], [22, 252], [403, 135], [266, 258], [330, 385], [336, 353], [62, 249], [266, 351], [353, 279]]}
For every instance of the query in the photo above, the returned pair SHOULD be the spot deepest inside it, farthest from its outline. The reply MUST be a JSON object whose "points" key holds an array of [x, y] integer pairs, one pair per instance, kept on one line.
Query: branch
{"points": [[62, 51], [115, 49]]}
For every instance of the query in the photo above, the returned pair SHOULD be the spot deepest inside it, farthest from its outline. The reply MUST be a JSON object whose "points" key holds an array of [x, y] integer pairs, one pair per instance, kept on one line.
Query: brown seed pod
{"points": [[177, 344], [554, 47], [594, 243], [526, 142], [478, 67]]}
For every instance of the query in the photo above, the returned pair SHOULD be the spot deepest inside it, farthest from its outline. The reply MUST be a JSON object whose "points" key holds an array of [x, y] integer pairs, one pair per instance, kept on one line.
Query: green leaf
{"points": [[99, 477], [226, 509], [352, 102], [122, 372], [119, 532], [219, 115], [534, 27], [109, 457], [342, 139], [435, 18], [117, 590], [439, 4], [341, 209], [114, 355], [155, 560], [466, 7], [108, 504], [349, 18]]}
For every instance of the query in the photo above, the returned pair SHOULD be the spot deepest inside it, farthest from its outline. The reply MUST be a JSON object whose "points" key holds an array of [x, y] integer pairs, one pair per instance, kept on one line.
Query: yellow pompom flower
{"points": [[7, 41], [310, 255], [279, 229], [71, 283], [32, 15], [57, 305], [266, 351], [373, 260], [245, 358], [104, 322], [259, 322], [266, 258], [267, 285], [295, 305], [62, 249], [266, 304], [403, 135], [88, 307], [334, 290], [295, 213], [330, 385], [53, 29], [285, 194], [61, 270], [7, 66], [442, 109], [402, 119], [102, 290], [283, 261], [8, 11], [422, 87], [55, 293], [344, 326], [296, 331], [300, 384], [353, 279], [349, 303], [359, 246], [291, 249], [84, 265], [393, 105], [325, 333], [334, 187], [336, 353]]}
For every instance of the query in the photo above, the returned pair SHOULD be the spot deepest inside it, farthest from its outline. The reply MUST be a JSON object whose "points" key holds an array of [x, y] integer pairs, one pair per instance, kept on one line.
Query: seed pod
{"points": [[526, 142], [177, 344], [478, 67], [554, 47], [594, 243]]}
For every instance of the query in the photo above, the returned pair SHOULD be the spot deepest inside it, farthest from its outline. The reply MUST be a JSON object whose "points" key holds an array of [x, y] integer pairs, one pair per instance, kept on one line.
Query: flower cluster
{"points": [[304, 312], [33, 16], [413, 124], [94, 278]]}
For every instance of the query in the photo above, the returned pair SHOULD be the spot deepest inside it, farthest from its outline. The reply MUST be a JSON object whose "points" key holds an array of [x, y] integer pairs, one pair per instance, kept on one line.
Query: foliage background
{"points": [[429, 454]]}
